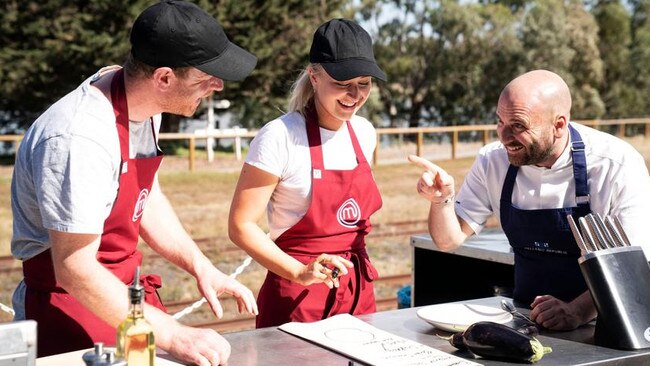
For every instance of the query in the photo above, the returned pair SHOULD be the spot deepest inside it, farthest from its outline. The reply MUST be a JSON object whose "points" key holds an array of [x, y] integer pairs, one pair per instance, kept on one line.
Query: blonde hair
{"points": [[302, 91]]}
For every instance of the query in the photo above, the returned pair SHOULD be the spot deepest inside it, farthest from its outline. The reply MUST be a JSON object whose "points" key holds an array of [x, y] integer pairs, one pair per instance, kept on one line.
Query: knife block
{"points": [[619, 282]]}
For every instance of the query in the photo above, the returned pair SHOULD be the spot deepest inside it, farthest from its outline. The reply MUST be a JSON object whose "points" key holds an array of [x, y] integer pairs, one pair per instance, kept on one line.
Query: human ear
{"points": [[313, 79], [163, 77], [560, 125]]}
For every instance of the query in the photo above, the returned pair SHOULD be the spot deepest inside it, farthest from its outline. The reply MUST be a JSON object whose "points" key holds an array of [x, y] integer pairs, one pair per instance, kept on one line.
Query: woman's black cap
{"points": [[344, 49]]}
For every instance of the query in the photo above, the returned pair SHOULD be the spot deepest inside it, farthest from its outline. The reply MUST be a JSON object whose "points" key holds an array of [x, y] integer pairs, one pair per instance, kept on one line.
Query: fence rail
{"points": [[419, 132]]}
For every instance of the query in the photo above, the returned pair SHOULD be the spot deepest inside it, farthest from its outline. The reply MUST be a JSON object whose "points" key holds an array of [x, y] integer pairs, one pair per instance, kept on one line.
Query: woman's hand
{"points": [[326, 269]]}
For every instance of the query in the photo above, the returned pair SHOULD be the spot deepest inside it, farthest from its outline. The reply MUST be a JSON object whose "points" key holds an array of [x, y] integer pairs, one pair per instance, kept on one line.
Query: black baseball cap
{"points": [[179, 34], [344, 49]]}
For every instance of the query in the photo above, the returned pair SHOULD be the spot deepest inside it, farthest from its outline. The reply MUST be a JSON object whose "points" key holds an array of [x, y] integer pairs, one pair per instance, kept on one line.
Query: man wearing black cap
{"points": [[310, 167], [85, 172]]}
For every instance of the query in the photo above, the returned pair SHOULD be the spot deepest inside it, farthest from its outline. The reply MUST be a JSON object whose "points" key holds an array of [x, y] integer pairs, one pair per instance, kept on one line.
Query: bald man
{"points": [[542, 168]]}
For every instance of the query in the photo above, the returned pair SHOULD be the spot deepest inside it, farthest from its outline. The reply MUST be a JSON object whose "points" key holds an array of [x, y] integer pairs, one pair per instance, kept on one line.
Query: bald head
{"points": [[539, 89], [534, 113]]}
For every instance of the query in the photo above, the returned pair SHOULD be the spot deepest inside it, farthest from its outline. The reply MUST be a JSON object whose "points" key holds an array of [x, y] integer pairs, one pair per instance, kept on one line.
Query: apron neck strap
{"points": [[121, 110], [579, 172], [315, 143], [579, 167]]}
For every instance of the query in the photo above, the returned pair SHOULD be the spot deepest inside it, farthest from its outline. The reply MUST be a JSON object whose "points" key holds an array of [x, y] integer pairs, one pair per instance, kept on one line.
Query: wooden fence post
{"points": [[192, 152], [420, 143], [620, 131], [375, 154], [454, 144]]}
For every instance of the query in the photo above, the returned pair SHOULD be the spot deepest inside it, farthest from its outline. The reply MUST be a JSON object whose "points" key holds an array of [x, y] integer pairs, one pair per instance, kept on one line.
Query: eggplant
{"points": [[457, 341], [498, 341]]}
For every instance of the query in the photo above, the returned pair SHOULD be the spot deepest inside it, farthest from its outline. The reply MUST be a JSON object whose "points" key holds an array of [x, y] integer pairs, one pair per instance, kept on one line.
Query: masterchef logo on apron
{"points": [[349, 213], [139, 206]]}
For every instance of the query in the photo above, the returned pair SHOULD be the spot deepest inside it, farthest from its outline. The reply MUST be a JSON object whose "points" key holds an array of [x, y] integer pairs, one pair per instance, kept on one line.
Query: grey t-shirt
{"points": [[67, 169]]}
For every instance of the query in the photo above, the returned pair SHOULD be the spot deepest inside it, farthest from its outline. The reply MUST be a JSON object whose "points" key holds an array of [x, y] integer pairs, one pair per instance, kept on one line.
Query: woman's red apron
{"points": [[336, 222], [63, 323]]}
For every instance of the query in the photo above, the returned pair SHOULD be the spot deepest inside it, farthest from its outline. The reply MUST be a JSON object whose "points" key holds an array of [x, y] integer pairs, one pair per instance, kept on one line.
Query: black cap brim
{"points": [[233, 64], [353, 68]]}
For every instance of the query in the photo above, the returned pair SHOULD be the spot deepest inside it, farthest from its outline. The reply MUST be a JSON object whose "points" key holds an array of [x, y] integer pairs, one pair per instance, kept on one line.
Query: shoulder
{"points": [[493, 153], [289, 125], [82, 113], [361, 121], [277, 142], [366, 133], [361, 124], [604, 146]]}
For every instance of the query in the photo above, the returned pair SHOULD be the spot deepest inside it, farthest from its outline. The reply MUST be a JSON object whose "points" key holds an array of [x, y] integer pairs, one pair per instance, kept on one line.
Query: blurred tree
{"points": [[279, 32], [404, 51], [586, 66], [640, 56], [545, 38], [514, 5], [470, 38], [442, 59], [562, 37], [614, 39], [446, 60], [506, 51], [48, 47]]}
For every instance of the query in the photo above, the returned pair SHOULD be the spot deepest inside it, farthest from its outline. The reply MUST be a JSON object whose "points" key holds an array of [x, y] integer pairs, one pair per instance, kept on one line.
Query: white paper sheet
{"points": [[357, 339]]}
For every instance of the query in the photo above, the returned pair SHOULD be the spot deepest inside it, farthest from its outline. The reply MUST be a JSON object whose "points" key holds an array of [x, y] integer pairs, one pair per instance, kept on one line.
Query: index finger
{"points": [[339, 264], [244, 297], [424, 163], [212, 299]]}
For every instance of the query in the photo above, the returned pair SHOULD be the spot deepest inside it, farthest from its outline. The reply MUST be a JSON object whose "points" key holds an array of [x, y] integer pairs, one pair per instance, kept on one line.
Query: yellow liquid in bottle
{"points": [[135, 341]]}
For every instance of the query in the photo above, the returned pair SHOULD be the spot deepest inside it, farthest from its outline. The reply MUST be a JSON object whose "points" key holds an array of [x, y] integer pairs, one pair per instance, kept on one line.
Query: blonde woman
{"points": [[309, 170]]}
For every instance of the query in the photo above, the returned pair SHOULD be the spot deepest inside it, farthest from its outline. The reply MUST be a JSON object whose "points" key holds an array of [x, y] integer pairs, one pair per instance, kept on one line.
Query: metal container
{"points": [[619, 281], [18, 343], [99, 357]]}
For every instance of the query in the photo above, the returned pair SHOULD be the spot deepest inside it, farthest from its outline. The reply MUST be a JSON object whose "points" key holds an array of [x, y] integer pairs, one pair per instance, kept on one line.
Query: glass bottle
{"points": [[135, 341]]}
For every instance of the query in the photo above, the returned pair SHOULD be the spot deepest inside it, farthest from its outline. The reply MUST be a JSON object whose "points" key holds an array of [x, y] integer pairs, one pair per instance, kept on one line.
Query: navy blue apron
{"points": [[546, 254]]}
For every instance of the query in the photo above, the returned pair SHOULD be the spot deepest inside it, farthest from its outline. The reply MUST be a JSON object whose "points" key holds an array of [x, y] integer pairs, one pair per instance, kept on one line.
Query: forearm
{"points": [[99, 290], [252, 239], [447, 230], [584, 307], [163, 232], [94, 287]]}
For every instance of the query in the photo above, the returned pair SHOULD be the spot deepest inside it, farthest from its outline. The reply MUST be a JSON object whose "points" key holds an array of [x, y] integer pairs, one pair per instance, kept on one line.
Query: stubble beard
{"points": [[534, 154]]}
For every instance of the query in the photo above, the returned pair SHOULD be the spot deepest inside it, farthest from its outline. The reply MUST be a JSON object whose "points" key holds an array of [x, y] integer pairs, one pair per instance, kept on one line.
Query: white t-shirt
{"points": [[619, 184], [67, 168], [281, 148]]}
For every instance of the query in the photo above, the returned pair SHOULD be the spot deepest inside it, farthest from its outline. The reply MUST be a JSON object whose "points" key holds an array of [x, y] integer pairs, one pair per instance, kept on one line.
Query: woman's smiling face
{"points": [[337, 101]]}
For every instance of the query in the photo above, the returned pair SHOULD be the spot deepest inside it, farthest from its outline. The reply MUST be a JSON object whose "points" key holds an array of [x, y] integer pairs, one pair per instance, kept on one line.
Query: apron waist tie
{"points": [[151, 284], [38, 273], [362, 267]]}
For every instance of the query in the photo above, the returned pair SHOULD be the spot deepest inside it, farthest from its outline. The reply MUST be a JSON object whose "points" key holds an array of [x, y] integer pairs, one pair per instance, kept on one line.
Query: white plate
{"points": [[457, 317]]}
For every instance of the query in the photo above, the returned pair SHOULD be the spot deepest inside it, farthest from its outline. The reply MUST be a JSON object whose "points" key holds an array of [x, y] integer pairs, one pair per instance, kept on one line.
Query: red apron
{"points": [[63, 323], [336, 222]]}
